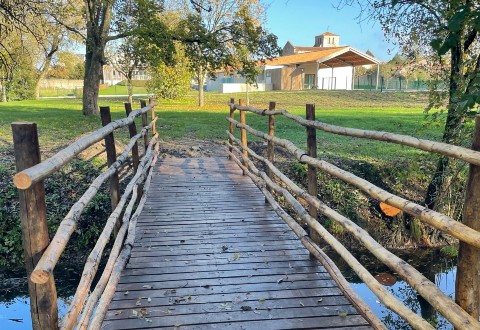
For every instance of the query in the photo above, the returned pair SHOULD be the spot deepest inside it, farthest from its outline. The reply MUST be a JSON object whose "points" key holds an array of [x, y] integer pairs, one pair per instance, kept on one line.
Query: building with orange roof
{"points": [[326, 65]]}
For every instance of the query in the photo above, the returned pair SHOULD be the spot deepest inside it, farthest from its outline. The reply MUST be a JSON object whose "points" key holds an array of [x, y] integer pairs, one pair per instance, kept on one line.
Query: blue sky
{"points": [[299, 21]]}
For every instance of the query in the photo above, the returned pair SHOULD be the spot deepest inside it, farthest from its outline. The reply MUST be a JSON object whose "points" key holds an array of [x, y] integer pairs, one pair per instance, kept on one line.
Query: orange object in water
{"points": [[386, 279], [389, 210]]}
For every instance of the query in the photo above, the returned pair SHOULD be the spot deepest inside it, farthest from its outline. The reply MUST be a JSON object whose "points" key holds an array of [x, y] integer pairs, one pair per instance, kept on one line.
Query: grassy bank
{"points": [[398, 169]]}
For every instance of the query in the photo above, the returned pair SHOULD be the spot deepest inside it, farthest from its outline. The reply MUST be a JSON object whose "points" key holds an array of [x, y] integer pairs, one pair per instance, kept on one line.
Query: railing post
{"points": [[232, 126], [132, 129], [467, 285], [111, 158], [243, 131], [312, 171], [33, 217], [270, 147], [152, 116], [143, 104]]}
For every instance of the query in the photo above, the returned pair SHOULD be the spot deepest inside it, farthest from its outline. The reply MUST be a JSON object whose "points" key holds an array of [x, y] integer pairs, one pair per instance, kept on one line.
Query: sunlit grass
{"points": [[60, 120]]}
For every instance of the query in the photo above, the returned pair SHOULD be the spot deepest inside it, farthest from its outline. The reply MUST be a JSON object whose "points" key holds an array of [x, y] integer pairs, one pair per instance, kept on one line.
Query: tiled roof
{"points": [[304, 57], [329, 34]]}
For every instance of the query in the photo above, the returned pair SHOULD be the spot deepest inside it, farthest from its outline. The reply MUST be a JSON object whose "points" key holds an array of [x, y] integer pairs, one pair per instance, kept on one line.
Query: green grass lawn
{"points": [[60, 120]]}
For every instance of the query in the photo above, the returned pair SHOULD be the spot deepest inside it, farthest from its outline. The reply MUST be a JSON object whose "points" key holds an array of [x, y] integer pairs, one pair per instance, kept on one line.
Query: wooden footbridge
{"points": [[207, 243]]}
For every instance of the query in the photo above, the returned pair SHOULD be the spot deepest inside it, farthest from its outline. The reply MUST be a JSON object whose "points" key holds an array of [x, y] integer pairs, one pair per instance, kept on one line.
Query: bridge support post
{"points": [[111, 158], [231, 128], [467, 285], [143, 104], [312, 171], [270, 146], [152, 116], [243, 131], [132, 129], [33, 217]]}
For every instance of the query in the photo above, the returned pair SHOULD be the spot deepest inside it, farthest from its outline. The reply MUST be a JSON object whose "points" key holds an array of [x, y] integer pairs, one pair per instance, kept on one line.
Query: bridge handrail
{"points": [[461, 153], [45, 253], [452, 312], [24, 179]]}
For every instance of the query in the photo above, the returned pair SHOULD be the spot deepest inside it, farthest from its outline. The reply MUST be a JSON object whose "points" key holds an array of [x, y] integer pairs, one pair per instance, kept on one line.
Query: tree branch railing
{"points": [[43, 255], [273, 181]]}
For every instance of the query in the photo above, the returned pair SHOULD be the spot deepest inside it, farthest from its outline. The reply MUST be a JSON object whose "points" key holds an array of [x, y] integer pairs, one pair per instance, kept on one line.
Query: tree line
{"points": [[210, 34]]}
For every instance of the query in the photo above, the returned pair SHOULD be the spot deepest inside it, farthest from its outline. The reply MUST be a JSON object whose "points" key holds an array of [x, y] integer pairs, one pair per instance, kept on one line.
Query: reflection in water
{"points": [[15, 311], [14, 300], [431, 263]]}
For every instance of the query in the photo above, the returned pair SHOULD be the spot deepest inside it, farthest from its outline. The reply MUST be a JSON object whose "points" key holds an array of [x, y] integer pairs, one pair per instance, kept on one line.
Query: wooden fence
{"points": [[463, 313], [42, 255]]}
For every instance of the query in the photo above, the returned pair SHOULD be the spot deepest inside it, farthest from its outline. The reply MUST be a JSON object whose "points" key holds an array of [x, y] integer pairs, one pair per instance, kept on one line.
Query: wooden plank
{"points": [[207, 245]]}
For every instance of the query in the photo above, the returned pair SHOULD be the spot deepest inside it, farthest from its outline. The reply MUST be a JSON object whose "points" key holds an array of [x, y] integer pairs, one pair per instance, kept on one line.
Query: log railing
{"points": [[463, 313], [42, 255]]}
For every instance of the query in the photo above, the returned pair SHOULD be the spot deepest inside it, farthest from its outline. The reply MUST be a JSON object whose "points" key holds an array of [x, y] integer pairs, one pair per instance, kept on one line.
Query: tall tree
{"points": [[226, 31], [447, 33]]}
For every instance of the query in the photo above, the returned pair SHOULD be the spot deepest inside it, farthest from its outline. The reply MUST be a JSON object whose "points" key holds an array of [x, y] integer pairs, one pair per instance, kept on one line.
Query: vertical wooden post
{"points": [[243, 132], [132, 129], [33, 217], [312, 171], [111, 158], [231, 128], [467, 285], [143, 104], [152, 116], [270, 147]]}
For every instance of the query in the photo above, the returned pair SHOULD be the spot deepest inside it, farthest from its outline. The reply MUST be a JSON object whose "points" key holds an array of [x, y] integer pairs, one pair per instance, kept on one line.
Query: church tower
{"points": [[327, 39]]}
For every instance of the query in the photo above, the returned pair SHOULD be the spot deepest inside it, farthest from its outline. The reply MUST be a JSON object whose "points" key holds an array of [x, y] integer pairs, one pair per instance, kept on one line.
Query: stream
{"points": [[15, 310]]}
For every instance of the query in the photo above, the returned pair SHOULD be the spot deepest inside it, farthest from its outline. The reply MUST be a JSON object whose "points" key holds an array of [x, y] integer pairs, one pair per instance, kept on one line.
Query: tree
{"points": [[224, 34], [446, 32], [67, 65], [126, 58], [171, 81]]}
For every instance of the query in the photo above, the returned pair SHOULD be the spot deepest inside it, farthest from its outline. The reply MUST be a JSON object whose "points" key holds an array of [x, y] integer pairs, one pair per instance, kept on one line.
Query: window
{"points": [[309, 82]]}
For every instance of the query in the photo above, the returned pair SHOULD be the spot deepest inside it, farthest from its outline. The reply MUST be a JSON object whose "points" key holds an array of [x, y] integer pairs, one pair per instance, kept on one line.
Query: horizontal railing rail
{"points": [[121, 222], [273, 181]]}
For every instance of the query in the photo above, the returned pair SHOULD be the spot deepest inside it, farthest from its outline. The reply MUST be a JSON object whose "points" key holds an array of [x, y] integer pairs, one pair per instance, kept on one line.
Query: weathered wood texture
{"points": [[210, 254], [467, 285], [35, 238]]}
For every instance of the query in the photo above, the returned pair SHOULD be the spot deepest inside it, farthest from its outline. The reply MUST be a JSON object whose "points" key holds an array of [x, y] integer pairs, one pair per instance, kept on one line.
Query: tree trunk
{"points": [[47, 63], [201, 81], [453, 124], [99, 15], [130, 88], [91, 84]]}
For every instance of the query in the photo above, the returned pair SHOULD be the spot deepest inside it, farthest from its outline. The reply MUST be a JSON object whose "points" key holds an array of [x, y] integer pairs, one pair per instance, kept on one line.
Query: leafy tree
{"points": [[221, 34], [171, 81], [67, 65], [126, 58], [446, 32]]}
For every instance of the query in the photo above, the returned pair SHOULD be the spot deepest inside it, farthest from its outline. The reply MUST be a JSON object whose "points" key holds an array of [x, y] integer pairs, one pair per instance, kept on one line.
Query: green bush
{"points": [[62, 190]]}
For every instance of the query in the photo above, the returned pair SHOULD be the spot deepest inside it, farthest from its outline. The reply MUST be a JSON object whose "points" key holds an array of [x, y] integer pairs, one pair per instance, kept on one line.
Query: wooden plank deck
{"points": [[210, 254]]}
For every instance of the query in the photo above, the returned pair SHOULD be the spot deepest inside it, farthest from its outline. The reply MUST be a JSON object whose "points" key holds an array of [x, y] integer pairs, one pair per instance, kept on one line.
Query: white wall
{"points": [[238, 88], [342, 78]]}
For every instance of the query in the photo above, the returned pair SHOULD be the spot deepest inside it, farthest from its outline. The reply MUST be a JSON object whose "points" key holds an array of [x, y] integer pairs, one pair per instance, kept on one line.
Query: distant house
{"points": [[326, 65], [112, 76]]}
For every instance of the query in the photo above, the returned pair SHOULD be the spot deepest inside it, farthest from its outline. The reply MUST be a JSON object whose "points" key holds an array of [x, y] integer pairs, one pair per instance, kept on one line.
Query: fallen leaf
{"points": [[343, 314], [246, 308], [236, 256], [262, 299], [126, 293], [301, 304], [320, 300]]}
